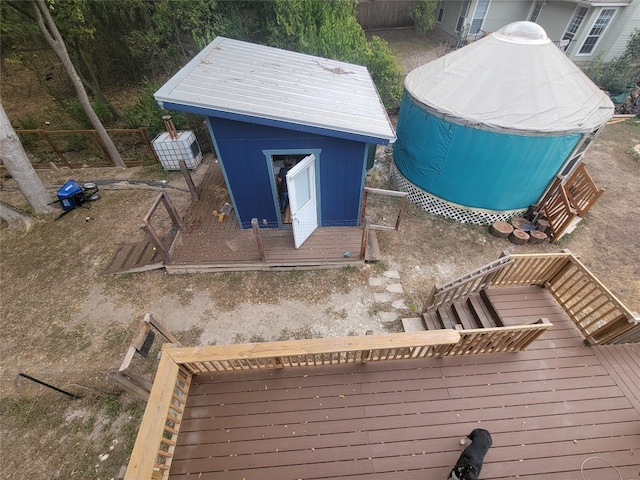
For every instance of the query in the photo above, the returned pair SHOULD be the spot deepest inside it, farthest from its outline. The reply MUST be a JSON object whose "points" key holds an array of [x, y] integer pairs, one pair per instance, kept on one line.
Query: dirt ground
{"points": [[68, 324]]}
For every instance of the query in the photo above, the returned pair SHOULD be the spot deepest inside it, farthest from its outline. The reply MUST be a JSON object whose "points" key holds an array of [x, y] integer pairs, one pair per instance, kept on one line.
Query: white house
{"points": [[582, 28]]}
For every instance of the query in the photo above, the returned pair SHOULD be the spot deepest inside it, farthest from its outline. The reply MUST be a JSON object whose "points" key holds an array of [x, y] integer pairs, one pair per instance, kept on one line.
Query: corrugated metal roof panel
{"points": [[278, 85]]}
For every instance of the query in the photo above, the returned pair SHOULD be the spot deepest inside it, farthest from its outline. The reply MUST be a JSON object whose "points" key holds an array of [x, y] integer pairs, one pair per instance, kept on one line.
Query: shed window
{"points": [[597, 30]]}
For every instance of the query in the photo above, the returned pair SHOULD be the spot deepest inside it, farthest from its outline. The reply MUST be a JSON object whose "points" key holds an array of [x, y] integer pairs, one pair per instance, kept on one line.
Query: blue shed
{"points": [[482, 131], [265, 105]]}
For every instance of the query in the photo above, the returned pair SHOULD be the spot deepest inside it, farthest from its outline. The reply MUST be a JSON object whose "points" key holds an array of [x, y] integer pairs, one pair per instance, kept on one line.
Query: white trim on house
{"points": [[600, 34], [481, 9]]}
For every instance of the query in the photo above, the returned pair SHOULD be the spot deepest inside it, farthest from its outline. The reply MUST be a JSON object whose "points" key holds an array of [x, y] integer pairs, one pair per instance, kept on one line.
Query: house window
{"points": [[597, 30], [479, 15], [537, 8], [440, 10], [574, 23], [464, 8]]}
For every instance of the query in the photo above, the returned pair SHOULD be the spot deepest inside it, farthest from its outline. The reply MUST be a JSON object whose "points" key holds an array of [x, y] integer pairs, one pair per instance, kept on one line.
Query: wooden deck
{"points": [[549, 409], [209, 245]]}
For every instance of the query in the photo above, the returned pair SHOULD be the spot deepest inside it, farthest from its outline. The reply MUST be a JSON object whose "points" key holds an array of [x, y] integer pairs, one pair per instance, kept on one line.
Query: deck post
{"points": [[173, 213], [256, 230], [365, 237], [189, 180]]}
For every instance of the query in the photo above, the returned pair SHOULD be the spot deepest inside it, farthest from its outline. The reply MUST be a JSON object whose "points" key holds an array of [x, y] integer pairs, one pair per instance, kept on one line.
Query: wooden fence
{"points": [[385, 14], [78, 148]]}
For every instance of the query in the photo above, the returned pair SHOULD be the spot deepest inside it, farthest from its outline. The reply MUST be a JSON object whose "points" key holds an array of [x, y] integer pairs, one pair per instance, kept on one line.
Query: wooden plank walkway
{"points": [[549, 409], [210, 245]]}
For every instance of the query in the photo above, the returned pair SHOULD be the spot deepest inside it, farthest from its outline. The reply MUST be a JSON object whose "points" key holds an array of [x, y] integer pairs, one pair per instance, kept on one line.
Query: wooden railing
{"points": [[153, 451], [582, 190], [567, 200], [534, 269], [314, 352], [463, 287], [593, 309], [387, 193], [164, 241], [497, 340]]}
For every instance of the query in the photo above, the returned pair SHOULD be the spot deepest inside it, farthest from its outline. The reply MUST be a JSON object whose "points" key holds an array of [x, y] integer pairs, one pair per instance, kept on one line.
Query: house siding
{"points": [[502, 13], [340, 170], [619, 33], [555, 17]]}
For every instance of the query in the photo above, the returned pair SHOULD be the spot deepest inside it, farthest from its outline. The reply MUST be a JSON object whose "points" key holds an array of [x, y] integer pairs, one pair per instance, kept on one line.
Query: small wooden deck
{"points": [[548, 408], [209, 245]]}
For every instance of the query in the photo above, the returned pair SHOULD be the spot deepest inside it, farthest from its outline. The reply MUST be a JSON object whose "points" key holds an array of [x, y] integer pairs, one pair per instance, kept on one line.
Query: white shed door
{"points": [[301, 185]]}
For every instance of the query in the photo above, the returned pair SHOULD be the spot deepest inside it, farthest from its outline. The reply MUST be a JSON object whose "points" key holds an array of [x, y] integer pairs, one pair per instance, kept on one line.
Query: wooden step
{"points": [[447, 319], [464, 315], [431, 321], [372, 251], [413, 324], [488, 305], [135, 257], [481, 312]]}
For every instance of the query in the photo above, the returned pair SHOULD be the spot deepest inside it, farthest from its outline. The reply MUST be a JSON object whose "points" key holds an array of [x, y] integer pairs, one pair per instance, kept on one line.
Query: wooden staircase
{"points": [[476, 311]]}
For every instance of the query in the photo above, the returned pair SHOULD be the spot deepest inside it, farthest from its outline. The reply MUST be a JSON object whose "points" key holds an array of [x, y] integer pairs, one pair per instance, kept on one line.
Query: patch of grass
{"points": [[380, 267], [191, 336], [155, 171], [116, 336], [257, 339], [303, 333], [27, 413], [332, 312], [111, 405], [239, 338]]}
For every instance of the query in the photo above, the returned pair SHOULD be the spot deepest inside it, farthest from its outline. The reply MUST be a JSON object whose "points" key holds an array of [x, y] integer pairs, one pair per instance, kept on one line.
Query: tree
{"points": [[15, 159], [56, 42], [330, 29], [424, 15]]}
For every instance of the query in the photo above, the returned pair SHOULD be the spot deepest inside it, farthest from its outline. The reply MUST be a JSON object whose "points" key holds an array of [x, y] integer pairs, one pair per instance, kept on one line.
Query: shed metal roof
{"points": [[267, 85]]}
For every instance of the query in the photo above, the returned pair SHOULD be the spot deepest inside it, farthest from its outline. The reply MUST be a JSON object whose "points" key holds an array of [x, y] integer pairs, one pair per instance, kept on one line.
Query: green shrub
{"points": [[146, 113], [619, 74], [424, 15]]}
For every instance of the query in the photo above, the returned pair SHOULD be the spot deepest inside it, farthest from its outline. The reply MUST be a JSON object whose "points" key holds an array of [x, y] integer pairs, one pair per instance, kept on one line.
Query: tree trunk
{"points": [[56, 42], [92, 82], [13, 216], [15, 159]]}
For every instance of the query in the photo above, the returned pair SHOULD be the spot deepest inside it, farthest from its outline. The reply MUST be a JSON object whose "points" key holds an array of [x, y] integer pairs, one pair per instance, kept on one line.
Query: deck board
{"points": [[548, 408]]}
